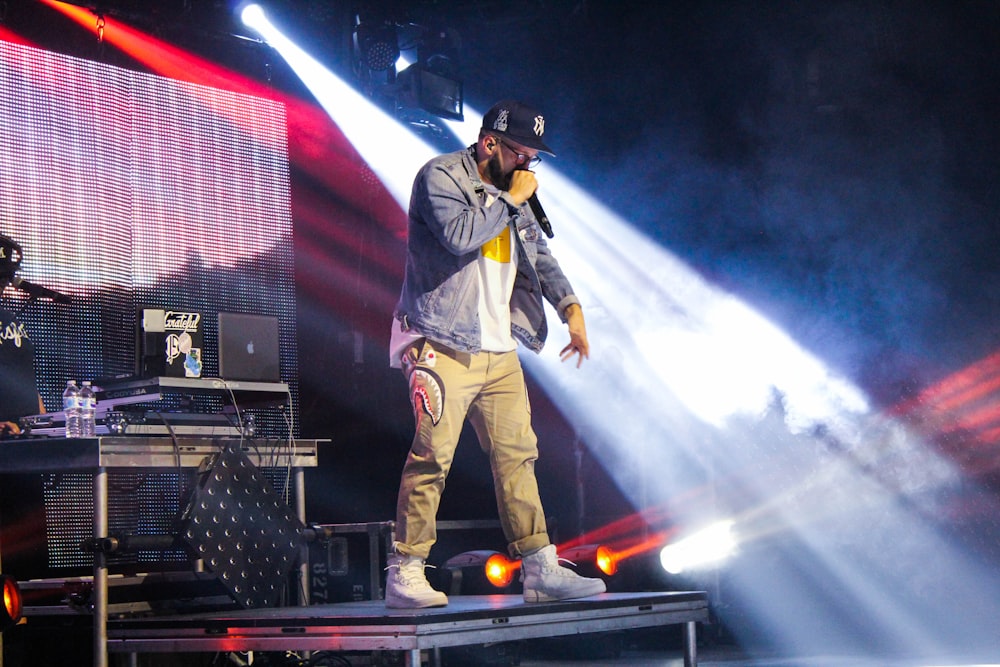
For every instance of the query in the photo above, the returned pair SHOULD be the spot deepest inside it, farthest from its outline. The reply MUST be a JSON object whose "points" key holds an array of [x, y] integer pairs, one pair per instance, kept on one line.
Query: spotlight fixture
{"points": [[433, 83], [598, 556], [500, 570], [12, 603], [437, 94], [472, 570], [377, 44]]}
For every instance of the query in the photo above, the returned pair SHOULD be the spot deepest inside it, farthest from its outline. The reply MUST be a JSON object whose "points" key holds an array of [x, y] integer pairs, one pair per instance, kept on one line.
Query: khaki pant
{"points": [[447, 386]]}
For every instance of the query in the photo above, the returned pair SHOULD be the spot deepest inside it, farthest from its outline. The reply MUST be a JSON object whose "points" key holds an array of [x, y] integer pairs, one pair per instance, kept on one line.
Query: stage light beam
{"points": [[390, 150], [706, 547]]}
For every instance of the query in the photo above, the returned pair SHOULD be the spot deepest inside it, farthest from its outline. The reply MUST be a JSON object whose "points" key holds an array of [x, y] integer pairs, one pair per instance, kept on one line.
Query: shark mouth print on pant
{"points": [[427, 395]]}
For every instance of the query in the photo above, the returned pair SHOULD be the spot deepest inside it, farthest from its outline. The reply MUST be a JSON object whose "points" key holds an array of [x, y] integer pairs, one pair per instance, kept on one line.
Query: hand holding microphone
{"points": [[543, 220], [523, 184]]}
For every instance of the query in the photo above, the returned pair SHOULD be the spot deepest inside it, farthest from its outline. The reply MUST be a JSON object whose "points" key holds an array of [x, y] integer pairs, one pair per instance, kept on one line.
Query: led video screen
{"points": [[130, 191]]}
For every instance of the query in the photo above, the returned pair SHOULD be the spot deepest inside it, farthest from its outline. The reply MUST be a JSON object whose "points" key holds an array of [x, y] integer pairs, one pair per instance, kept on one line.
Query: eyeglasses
{"points": [[521, 158]]}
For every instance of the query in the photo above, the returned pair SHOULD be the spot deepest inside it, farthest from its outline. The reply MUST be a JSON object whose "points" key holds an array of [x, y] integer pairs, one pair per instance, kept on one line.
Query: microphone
{"points": [[37, 291], [543, 220]]}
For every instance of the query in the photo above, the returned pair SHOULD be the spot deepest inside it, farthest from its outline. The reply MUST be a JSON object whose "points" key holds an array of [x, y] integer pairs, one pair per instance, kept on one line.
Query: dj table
{"points": [[97, 455]]}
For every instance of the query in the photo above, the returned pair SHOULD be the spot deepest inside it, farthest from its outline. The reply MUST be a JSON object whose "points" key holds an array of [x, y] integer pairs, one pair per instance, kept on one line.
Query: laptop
{"points": [[248, 347]]}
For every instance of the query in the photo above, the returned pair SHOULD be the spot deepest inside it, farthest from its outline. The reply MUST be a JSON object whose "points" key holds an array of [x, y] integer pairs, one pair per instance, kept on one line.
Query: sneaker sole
{"points": [[405, 603], [531, 595]]}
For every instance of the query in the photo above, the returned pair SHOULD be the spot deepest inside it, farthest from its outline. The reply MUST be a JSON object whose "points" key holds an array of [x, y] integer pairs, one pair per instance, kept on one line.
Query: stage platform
{"points": [[369, 626]]}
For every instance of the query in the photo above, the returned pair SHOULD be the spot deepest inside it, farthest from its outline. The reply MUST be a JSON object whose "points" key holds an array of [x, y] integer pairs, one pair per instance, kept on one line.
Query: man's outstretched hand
{"points": [[578, 344]]}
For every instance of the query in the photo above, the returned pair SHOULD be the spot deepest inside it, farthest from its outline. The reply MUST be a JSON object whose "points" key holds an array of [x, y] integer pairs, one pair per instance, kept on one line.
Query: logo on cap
{"points": [[517, 120], [500, 124], [539, 125]]}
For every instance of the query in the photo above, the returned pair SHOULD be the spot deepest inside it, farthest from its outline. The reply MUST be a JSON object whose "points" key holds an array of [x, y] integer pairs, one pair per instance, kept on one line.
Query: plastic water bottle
{"points": [[71, 408], [88, 410]]}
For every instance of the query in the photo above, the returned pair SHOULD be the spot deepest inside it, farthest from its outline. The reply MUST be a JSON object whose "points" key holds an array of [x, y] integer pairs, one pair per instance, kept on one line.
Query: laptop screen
{"points": [[248, 347]]}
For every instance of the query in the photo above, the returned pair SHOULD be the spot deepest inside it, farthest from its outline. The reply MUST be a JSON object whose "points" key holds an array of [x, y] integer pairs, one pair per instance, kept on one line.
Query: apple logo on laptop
{"points": [[250, 347]]}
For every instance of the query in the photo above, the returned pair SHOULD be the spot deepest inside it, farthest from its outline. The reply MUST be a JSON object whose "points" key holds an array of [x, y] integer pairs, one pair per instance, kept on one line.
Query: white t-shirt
{"points": [[496, 271]]}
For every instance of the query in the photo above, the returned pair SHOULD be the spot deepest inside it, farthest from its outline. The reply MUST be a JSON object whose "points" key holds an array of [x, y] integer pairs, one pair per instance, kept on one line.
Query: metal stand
{"points": [[690, 644], [100, 569]]}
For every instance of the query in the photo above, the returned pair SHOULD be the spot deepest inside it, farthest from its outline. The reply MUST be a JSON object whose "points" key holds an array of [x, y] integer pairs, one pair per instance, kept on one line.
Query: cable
{"points": [[239, 417], [289, 421], [177, 452]]}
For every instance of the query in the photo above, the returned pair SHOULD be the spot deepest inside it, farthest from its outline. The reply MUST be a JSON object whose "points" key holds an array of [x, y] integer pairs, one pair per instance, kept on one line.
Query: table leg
{"points": [[299, 483], [690, 644], [100, 569], [375, 562]]}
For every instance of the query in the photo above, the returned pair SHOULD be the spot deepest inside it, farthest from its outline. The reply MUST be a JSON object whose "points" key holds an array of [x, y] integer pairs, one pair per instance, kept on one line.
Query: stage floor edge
{"points": [[369, 626]]}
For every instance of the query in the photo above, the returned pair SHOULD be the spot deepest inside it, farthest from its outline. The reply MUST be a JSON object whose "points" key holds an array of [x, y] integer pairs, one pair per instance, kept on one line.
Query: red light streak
{"points": [[630, 536], [961, 412], [7, 35], [316, 144], [348, 215], [652, 542]]}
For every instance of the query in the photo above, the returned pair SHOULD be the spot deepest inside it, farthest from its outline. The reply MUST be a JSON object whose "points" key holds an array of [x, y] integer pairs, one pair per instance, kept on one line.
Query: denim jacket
{"points": [[449, 223]]}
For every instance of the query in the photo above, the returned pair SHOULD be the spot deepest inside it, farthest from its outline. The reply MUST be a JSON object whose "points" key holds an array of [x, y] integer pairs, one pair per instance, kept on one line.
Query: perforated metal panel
{"points": [[242, 530]]}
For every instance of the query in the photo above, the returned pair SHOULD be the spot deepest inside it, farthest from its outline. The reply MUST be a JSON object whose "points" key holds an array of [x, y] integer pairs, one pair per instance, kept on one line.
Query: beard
{"points": [[496, 173]]}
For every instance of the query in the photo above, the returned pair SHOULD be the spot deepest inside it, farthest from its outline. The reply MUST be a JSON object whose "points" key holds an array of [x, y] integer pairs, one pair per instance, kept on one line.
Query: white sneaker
{"points": [[545, 580], [406, 586]]}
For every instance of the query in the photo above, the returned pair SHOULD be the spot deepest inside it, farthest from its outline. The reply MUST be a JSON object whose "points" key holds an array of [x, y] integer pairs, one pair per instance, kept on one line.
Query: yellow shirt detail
{"points": [[499, 248]]}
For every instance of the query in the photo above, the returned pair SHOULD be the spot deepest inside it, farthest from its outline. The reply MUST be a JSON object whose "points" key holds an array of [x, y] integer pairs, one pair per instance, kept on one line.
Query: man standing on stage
{"points": [[477, 269]]}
